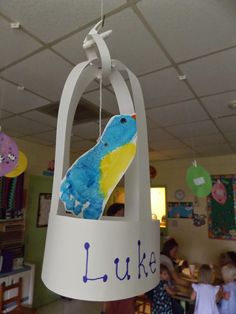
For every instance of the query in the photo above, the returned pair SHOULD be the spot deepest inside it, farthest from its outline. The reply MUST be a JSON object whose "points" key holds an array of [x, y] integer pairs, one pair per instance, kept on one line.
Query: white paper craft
{"points": [[102, 260]]}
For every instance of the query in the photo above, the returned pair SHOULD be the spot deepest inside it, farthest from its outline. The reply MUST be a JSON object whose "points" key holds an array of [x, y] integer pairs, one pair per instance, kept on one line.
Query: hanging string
{"points": [[102, 11], [100, 106], [100, 84]]}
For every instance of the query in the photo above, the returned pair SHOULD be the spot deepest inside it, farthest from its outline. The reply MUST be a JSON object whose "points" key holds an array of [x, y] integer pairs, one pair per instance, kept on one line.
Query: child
{"points": [[161, 295], [205, 293], [228, 302]]}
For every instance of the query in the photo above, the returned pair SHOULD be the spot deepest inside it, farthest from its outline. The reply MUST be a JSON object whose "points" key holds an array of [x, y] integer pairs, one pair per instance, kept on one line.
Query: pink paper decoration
{"points": [[219, 192], [8, 154]]}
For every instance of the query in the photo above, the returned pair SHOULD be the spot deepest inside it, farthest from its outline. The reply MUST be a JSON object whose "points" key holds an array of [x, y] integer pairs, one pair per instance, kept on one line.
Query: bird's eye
{"points": [[123, 120], [105, 144]]}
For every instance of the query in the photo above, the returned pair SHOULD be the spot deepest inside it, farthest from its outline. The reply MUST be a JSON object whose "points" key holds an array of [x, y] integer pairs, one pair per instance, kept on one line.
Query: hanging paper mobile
{"points": [[91, 179], [114, 263], [20, 167], [8, 154], [198, 180], [219, 192]]}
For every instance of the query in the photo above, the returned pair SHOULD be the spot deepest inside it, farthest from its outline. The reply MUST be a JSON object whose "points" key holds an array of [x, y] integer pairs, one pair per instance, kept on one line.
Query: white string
{"points": [[102, 13], [100, 106], [100, 86]]}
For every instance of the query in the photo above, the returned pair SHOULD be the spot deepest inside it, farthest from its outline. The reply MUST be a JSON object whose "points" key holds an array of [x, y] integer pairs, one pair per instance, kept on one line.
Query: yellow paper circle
{"points": [[20, 167]]}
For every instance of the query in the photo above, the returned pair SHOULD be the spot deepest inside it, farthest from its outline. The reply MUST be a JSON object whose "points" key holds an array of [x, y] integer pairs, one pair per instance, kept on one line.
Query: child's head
{"points": [[205, 274], [164, 273], [228, 272]]}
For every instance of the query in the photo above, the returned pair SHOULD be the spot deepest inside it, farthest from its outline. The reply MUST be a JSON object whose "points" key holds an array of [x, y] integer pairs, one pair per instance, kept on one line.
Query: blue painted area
{"points": [[80, 189], [180, 211]]}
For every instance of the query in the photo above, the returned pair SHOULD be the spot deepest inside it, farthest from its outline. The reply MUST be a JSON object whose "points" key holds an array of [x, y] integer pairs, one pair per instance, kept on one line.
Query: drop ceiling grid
{"points": [[156, 34], [206, 109]]}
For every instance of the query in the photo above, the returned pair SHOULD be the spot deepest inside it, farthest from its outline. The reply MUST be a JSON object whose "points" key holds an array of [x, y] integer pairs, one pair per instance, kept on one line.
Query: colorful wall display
{"points": [[11, 197], [222, 208], [180, 209]]}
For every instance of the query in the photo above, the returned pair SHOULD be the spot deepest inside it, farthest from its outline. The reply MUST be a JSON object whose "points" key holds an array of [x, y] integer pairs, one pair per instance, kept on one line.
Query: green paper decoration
{"points": [[198, 180]]}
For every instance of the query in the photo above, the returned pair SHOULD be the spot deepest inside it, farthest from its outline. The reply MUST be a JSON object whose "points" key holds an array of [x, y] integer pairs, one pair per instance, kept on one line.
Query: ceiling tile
{"points": [[212, 74], [88, 131], [184, 112], [48, 21], [163, 87], [124, 43], [217, 149], [218, 105], [231, 136], [179, 153], [4, 114], [18, 101], [193, 129], [154, 155], [151, 124], [44, 73], [72, 47], [210, 139], [109, 102], [23, 126], [16, 45], [41, 118], [36, 140], [159, 135], [166, 145], [227, 124], [233, 145], [82, 146], [48, 138], [190, 28]]}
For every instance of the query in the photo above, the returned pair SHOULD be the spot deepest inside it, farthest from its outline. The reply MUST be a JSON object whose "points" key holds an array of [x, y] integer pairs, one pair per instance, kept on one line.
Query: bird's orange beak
{"points": [[134, 116]]}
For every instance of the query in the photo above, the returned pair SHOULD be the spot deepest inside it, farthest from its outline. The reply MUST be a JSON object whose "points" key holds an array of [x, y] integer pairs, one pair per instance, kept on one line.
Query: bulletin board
{"points": [[222, 217]]}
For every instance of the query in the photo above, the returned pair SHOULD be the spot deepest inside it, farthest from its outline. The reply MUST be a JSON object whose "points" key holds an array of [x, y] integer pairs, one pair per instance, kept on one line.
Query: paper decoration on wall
{"points": [[92, 178], [8, 154], [179, 194], [199, 219], [222, 216], [219, 192], [11, 197], [20, 167], [50, 170], [101, 259], [153, 172], [198, 180], [180, 209]]}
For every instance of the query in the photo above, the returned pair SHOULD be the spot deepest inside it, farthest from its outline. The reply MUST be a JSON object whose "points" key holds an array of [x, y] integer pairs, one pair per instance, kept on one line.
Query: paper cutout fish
{"points": [[92, 178], [219, 192]]}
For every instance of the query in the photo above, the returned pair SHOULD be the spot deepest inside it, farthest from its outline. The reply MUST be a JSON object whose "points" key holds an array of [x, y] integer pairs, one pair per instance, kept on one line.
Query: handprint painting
{"points": [[91, 179]]}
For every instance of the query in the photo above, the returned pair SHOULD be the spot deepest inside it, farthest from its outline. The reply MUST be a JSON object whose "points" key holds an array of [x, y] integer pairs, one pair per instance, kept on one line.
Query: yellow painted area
{"points": [[114, 165]]}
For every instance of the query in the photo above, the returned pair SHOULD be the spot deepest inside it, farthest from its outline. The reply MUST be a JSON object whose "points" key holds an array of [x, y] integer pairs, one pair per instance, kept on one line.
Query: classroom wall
{"points": [[193, 241], [38, 158]]}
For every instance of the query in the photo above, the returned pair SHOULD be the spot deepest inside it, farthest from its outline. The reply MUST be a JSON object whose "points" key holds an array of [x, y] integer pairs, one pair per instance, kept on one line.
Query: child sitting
{"points": [[205, 293], [228, 302], [161, 295]]}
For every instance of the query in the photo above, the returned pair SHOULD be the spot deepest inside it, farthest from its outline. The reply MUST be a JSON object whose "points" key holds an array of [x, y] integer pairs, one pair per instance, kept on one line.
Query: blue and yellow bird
{"points": [[91, 179]]}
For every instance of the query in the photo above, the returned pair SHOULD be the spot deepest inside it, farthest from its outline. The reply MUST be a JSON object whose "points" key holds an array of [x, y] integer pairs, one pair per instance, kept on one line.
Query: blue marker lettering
{"points": [[116, 261], [152, 262], [141, 262], [85, 277]]}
